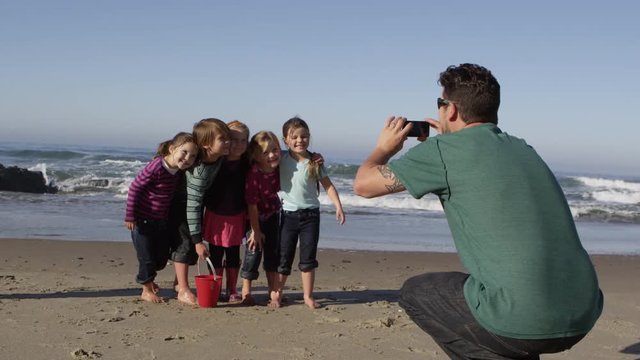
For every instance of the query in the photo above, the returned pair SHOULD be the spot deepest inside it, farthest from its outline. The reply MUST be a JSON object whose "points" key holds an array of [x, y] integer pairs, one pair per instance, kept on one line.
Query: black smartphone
{"points": [[419, 128]]}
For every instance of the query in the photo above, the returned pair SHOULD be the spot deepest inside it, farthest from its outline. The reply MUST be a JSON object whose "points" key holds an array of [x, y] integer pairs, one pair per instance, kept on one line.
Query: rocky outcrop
{"points": [[14, 178]]}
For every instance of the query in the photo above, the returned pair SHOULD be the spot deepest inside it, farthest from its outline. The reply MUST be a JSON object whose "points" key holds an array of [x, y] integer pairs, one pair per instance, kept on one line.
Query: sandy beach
{"points": [[78, 300]]}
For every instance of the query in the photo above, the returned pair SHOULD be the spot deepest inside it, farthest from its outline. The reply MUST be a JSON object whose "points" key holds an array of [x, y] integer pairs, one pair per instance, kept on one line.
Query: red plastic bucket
{"points": [[208, 290]]}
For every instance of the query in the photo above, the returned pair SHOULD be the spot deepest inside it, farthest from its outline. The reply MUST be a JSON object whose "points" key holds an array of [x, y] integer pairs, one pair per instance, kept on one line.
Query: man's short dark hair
{"points": [[474, 90]]}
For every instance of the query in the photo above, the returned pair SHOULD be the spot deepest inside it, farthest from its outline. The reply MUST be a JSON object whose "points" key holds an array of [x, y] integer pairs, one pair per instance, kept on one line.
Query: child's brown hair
{"points": [[206, 130], [296, 123], [181, 138]]}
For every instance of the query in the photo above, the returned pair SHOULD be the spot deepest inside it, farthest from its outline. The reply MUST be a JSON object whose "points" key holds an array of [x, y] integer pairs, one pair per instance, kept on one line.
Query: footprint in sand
{"points": [[8, 280], [335, 309], [174, 337], [138, 313], [329, 319], [379, 304], [353, 288], [82, 354]]}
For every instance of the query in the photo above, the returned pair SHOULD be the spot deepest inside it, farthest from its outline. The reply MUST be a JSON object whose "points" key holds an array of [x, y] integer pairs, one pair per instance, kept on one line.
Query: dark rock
{"points": [[18, 179], [98, 182]]}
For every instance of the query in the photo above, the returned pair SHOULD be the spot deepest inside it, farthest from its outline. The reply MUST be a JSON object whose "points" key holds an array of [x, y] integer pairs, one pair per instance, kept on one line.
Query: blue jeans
{"points": [[251, 264], [151, 240], [303, 224], [436, 303]]}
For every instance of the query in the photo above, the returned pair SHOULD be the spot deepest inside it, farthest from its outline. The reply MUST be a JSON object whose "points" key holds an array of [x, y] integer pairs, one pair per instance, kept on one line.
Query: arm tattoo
{"points": [[386, 173]]}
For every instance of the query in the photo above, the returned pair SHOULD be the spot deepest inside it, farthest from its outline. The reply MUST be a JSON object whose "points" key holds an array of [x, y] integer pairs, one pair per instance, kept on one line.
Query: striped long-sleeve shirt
{"points": [[199, 179], [151, 192]]}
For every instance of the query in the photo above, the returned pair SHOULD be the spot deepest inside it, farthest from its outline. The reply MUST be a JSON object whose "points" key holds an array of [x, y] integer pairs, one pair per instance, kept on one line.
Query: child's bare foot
{"points": [[274, 302], [176, 287], [185, 296], [150, 296], [312, 303], [235, 299]]}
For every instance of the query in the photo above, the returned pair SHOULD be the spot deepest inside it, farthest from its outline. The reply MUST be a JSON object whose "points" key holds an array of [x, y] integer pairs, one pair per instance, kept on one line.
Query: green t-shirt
{"points": [[530, 277]]}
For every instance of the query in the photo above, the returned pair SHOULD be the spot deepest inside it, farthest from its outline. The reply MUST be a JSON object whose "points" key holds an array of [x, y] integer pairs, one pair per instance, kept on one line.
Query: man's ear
{"points": [[451, 112]]}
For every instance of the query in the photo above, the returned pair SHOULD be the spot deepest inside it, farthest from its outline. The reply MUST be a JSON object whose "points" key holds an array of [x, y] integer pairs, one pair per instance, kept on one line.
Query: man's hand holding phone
{"points": [[419, 129], [393, 135]]}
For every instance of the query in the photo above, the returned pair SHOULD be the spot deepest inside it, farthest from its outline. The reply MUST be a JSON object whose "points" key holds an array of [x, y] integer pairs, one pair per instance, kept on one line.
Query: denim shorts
{"points": [[183, 250]]}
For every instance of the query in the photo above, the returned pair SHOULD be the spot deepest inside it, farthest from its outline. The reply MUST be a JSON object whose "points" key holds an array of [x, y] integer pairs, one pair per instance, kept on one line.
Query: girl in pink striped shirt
{"points": [[148, 208]]}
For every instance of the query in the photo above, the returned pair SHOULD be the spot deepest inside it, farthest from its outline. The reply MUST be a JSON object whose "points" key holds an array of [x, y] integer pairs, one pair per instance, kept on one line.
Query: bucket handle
{"points": [[211, 272]]}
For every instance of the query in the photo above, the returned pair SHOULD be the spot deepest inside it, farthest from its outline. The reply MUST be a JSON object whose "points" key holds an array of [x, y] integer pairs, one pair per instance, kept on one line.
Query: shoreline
{"points": [[78, 299]]}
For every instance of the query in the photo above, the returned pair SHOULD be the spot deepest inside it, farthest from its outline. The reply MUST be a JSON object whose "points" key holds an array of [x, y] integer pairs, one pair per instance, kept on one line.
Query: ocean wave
{"points": [[91, 183], [139, 159], [606, 191], [605, 215], [396, 201], [42, 167], [602, 183], [43, 154], [346, 170], [108, 172], [613, 196], [123, 163]]}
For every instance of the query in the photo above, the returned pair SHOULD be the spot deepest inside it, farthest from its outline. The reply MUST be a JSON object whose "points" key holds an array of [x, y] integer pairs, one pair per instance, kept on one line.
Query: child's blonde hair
{"points": [[206, 130], [296, 123], [180, 139], [238, 125], [259, 143]]}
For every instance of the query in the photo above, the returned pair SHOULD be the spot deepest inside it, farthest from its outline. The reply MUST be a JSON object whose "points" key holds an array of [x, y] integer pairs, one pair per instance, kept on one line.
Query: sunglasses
{"points": [[443, 102]]}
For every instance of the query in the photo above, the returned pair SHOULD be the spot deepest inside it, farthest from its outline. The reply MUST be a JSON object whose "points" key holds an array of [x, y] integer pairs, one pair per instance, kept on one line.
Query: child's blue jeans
{"points": [[270, 246]]}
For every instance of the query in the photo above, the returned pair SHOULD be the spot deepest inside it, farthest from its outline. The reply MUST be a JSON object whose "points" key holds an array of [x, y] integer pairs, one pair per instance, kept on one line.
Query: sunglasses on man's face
{"points": [[443, 102]]}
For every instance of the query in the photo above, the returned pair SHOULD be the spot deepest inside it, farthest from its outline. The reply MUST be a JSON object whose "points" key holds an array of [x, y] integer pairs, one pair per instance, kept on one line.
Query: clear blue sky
{"points": [[135, 72]]}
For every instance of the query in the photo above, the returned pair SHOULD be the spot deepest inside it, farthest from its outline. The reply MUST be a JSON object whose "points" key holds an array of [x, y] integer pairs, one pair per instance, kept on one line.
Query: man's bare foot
{"points": [[185, 296], [312, 303], [151, 297]]}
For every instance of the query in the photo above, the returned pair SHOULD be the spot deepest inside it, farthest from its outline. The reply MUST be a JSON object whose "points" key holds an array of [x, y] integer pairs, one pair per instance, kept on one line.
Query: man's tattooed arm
{"points": [[395, 185]]}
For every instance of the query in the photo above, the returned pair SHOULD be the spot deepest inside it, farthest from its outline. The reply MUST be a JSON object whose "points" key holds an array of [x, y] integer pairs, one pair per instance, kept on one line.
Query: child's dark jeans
{"points": [[151, 241], [303, 224]]}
